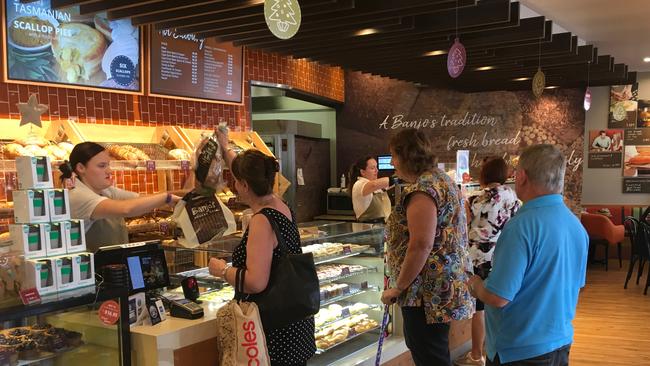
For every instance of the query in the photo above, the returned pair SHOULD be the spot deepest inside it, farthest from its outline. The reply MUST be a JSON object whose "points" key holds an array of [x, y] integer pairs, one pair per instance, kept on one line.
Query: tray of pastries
{"points": [[344, 330], [335, 312], [327, 250], [329, 271], [36, 342], [35, 146]]}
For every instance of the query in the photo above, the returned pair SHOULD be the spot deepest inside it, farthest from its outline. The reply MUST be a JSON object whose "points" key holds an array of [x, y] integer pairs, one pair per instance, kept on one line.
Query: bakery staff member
{"points": [[369, 198], [95, 200]]}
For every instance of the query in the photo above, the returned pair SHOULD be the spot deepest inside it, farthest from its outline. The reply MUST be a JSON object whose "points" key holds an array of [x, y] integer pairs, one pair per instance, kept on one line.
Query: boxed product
{"points": [[76, 236], [41, 275], [30, 239], [34, 172], [66, 278], [58, 203], [84, 268], [30, 206], [59, 236]]}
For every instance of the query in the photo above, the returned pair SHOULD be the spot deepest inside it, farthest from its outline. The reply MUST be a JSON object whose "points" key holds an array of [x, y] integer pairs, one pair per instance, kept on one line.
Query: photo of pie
{"points": [[78, 49], [67, 47]]}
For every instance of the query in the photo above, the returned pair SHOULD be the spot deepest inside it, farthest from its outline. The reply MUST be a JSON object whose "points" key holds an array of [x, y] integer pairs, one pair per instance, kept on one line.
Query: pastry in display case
{"points": [[64, 332], [350, 268]]}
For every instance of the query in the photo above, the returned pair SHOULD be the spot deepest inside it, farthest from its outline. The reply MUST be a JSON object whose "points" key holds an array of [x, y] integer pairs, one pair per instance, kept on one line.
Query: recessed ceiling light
{"points": [[484, 68], [436, 53], [366, 32], [646, 59], [520, 79], [552, 87]]}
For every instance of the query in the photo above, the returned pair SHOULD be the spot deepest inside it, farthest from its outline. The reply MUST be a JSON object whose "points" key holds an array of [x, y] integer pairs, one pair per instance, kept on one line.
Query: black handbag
{"points": [[293, 291]]}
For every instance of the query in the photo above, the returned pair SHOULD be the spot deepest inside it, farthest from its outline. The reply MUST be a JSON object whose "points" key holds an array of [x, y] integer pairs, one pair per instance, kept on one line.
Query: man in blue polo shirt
{"points": [[538, 268]]}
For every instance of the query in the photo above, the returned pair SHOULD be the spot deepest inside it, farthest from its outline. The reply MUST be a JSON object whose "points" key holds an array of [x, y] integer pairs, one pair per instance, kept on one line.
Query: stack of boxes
{"points": [[54, 246]]}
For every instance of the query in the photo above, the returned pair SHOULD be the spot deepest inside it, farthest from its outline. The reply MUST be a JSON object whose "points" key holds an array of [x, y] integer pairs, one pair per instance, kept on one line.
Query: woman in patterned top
{"points": [[428, 256], [490, 210], [254, 174]]}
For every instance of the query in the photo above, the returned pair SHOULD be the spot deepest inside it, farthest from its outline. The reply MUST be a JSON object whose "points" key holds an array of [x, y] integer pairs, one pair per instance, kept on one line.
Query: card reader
{"points": [[186, 309]]}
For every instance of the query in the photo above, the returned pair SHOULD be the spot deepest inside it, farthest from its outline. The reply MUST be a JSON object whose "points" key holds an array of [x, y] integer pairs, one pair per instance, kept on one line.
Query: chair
{"points": [[602, 231], [640, 240]]}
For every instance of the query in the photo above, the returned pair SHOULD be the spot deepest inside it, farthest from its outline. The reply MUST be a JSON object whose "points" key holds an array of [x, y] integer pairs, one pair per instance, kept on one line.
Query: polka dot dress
{"points": [[293, 344]]}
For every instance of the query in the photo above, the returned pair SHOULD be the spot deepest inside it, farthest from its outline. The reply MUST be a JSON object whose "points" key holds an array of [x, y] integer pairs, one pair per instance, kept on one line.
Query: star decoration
{"points": [[31, 111]]}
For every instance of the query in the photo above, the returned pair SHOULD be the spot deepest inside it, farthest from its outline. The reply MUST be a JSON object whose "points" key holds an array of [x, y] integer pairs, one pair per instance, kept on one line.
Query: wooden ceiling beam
{"points": [[225, 9], [100, 6], [484, 13], [60, 4], [159, 7]]}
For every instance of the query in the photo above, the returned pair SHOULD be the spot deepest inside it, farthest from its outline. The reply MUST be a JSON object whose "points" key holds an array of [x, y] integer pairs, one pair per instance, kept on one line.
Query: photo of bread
{"points": [[637, 161]]}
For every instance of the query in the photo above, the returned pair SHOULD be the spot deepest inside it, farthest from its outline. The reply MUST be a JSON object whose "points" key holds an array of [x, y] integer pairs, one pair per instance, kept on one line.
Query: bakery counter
{"points": [[177, 341]]}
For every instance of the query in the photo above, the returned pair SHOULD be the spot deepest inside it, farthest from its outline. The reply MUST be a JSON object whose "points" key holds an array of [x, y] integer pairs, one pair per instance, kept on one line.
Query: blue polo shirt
{"points": [[539, 265]]}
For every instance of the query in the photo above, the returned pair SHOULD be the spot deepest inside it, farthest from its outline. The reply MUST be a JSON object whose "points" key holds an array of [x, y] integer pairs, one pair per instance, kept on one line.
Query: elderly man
{"points": [[538, 269]]}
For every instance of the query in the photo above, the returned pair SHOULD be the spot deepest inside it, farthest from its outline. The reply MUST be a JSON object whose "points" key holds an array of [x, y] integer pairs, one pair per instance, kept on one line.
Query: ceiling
{"points": [[503, 50], [620, 28]]}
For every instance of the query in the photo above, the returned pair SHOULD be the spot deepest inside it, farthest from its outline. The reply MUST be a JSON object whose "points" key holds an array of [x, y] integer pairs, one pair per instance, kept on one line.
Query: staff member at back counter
{"points": [[369, 198], [95, 200]]}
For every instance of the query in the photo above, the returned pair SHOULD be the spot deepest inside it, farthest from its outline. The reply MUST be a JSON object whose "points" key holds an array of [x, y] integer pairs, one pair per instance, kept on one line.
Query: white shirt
{"points": [[84, 200], [360, 203]]}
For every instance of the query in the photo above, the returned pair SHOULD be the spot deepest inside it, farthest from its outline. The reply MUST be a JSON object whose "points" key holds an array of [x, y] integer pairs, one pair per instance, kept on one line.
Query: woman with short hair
{"points": [[428, 256]]}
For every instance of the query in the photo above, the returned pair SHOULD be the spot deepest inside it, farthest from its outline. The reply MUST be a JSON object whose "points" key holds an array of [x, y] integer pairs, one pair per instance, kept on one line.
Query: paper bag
{"points": [[202, 218]]}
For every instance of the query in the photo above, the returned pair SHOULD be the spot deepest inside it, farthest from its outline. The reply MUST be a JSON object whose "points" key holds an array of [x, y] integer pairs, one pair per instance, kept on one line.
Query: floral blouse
{"points": [[440, 287], [491, 209]]}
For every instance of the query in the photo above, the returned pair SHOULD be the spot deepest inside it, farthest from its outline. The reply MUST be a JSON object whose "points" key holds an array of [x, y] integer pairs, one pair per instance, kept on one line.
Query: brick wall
{"points": [[121, 109]]}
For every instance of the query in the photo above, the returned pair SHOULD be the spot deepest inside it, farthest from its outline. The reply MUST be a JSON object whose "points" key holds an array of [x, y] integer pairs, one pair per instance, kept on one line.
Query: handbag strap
{"points": [[282, 246]]}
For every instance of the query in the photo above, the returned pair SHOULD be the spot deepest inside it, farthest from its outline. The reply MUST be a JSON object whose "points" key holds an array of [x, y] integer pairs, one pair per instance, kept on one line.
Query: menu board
{"points": [[183, 65], [61, 46]]}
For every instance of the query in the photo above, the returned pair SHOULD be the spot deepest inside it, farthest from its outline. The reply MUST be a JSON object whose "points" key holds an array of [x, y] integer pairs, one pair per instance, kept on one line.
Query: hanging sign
{"points": [[282, 17], [587, 102], [456, 59], [539, 82]]}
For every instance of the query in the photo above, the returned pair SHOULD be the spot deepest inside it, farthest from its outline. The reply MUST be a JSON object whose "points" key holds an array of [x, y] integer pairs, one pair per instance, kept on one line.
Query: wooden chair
{"points": [[640, 240], [602, 231]]}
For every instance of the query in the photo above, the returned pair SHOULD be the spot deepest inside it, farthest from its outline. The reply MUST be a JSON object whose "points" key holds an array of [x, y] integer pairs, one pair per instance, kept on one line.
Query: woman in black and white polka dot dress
{"points": [[254, 175]]}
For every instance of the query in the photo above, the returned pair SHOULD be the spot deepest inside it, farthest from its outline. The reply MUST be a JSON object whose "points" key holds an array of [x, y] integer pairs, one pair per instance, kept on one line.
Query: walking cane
{"points": [[382, 335]]}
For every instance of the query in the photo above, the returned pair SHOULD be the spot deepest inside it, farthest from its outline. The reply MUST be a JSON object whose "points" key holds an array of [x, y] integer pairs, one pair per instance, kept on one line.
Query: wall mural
{"points": [[488, 124]]}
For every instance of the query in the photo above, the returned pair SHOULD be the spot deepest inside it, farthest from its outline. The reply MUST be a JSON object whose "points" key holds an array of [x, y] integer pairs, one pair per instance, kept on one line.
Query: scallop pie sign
{"points": [[282, 17]]}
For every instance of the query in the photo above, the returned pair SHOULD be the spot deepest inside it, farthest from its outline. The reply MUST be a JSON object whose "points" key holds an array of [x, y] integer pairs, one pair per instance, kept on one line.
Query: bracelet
{"points": [[168, 199], [225, 269]]}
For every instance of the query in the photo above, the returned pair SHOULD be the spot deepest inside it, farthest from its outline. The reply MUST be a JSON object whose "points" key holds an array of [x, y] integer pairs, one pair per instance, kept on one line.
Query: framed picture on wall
{"points": [[605, 148], [643, 114], [623, 106]]}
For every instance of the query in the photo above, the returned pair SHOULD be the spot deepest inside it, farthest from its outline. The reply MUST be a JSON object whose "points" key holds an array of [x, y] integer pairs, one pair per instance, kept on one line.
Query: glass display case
{"points": [[350, 266], [65, 331]]}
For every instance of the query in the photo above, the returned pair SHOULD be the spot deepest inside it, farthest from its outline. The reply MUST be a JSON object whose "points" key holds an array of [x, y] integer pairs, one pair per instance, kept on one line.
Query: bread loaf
{"points": [[14, 150], [641, 159], [178, 154], [32, 140]]}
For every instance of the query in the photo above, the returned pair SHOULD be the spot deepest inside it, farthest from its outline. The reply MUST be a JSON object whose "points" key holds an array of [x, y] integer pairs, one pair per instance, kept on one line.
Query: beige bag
{"points": [[240, 335]]}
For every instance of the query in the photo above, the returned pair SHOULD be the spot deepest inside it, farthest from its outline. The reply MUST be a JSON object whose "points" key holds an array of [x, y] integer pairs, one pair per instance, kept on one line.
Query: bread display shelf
{"points": [[343, 276], [348, 315], [350, 337], [332, 258], [355, 290]]}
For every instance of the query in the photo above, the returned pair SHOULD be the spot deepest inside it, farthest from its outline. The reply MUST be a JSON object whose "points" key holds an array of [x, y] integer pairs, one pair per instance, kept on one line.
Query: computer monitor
{"points": [[145, 263], [383, 163]]}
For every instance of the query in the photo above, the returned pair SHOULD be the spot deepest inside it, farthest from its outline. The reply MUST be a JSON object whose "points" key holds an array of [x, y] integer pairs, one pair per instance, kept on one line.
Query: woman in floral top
{"points": [[428, 255], [490, 210]]}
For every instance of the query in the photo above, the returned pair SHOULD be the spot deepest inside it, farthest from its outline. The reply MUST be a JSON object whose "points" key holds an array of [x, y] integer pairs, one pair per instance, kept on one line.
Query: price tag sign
{"points": [[345, 271], [345, 312], [164, 226], [346, 290], [364, 285], [347, 249], [352, 333], [151, 165], [323, 295], [30, 296], [185, 165], [109, 312]]}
